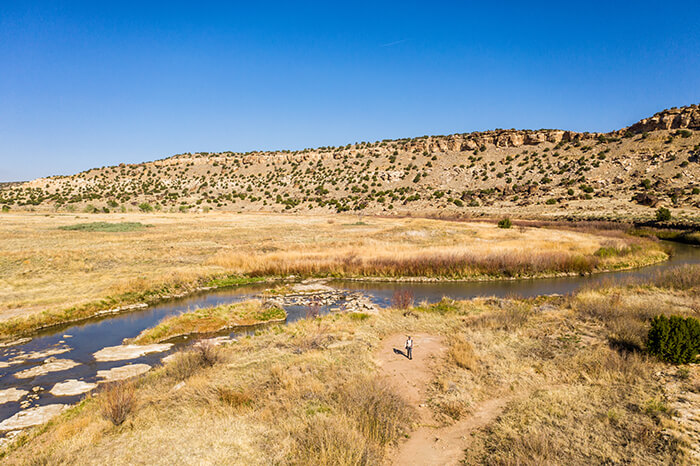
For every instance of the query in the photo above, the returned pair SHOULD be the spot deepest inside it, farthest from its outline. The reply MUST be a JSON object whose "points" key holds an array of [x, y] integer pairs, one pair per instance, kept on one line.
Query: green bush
{"points": [[663, 214], [505, 223], [146, 207], [674, 339], [6, 208]]}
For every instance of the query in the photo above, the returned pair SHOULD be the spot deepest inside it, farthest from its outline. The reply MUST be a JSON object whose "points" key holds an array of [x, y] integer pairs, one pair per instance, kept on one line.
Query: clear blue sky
{"points": [[87, 84]]}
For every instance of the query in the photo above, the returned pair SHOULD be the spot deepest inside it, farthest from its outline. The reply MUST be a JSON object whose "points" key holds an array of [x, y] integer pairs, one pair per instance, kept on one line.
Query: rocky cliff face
{"points": [[675, 118]]}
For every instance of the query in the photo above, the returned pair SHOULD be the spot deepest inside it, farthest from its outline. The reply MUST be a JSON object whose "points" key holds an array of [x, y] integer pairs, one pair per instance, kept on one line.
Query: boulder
{"points": [[646, 199]]}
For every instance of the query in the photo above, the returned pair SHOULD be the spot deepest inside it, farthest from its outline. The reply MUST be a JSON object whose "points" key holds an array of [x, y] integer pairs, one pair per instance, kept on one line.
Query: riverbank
{"points": [[320, 389]]}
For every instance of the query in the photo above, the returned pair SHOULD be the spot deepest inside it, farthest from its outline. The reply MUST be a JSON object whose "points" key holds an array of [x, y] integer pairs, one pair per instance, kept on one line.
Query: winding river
{"points": [[78, 343]]}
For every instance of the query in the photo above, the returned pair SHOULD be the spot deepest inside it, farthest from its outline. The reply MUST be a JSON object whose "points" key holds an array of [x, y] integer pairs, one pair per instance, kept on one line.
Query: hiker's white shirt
{"points": [[409, 343]]}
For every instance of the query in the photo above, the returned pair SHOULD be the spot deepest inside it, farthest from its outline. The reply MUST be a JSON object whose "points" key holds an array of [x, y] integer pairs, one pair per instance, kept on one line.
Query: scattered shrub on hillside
{"points": [[6, 208], [145, 207], [674, 339], [505, 223], [116, 401], [402, 299], [663, 214]]}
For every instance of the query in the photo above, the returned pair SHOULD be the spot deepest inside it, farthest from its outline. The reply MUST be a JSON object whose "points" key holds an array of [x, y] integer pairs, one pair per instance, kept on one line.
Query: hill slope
{"points": [[542, 173]]}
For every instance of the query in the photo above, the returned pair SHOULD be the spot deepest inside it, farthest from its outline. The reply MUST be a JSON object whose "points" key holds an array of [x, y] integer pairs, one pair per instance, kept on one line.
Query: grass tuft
{"points": [[462, 353], [116, 401]]}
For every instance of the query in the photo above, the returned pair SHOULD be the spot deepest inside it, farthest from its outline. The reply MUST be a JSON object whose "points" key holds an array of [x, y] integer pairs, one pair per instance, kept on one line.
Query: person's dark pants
{"points": [[409, 353]]}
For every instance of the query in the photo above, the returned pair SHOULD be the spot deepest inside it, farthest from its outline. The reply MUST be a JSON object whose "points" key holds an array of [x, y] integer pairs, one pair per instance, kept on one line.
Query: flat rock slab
{"points": [[123, 352], [71, 387], [11, 394], [31, 417], [50, 365], [16, 342], [312, 288], [123, 372], [42, 354]]}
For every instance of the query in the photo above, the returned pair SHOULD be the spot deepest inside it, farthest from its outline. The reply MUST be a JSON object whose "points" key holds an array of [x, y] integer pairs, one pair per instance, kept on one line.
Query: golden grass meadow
{"points": [[53, 273]]}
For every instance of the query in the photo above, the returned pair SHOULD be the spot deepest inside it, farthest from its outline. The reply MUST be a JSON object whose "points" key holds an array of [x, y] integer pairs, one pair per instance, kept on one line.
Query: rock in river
{"points": [[122, 352], [123, 372], [71, 387], [11, 394], [31, 417], [50, 365]]}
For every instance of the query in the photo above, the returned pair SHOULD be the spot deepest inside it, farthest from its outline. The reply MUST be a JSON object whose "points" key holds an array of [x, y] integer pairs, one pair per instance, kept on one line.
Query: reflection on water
{"points": [[85, 339]]}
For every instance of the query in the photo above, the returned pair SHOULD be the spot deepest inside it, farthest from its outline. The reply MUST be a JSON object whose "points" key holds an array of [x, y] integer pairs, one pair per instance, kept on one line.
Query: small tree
{"points": [[505, 223], [663, 214], [674, 339], [145, 207]]}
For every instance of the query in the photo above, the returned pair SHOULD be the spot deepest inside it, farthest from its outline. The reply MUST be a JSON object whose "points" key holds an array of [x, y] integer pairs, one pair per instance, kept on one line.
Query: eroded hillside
{"points": [[623, 174]]}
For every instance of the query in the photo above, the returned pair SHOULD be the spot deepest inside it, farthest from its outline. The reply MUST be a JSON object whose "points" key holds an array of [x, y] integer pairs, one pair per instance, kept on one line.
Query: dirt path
{"points": [[429, 444]]}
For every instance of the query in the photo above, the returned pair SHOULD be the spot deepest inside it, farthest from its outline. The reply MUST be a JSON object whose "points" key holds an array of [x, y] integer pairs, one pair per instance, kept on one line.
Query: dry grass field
{"points": [[60, 267], [560, 387]]}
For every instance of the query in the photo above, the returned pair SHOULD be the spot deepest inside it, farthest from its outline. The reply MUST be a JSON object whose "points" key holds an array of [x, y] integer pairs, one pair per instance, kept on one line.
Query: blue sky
{"points": [[87, 84]]}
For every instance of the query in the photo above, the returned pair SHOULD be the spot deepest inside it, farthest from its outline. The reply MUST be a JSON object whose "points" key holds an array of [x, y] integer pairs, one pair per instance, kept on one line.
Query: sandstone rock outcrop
{"points": [[675, 118]]}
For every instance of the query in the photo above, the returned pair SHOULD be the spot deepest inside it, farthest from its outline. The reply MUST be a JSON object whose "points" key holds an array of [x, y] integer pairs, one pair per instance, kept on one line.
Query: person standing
{"points": [[409, 347]]}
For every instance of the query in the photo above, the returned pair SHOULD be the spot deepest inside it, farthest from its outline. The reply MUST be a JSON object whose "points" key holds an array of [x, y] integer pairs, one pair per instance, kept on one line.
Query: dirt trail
{"points": [[429, 444]]}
